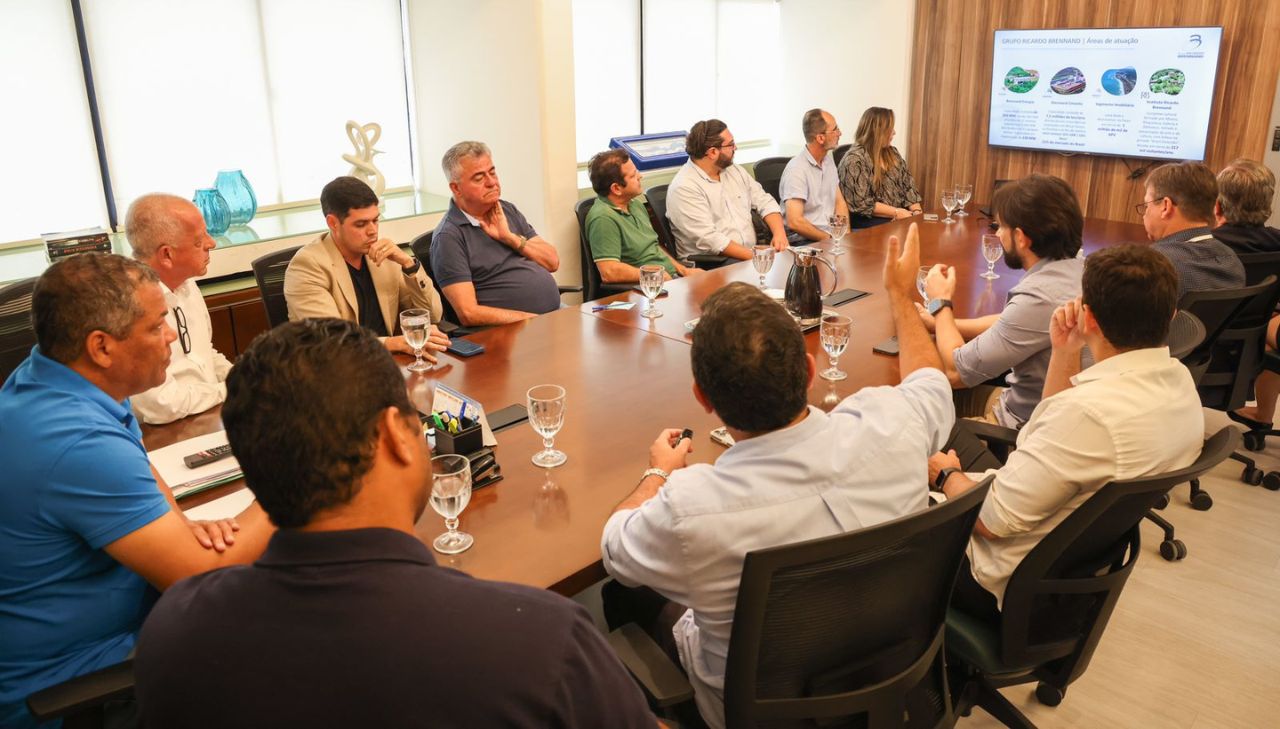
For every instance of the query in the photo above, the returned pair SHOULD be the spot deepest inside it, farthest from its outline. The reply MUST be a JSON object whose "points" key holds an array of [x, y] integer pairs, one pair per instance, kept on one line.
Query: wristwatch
{"points": [[937, 305], [414, 268], [943, 475], [656, 472]]}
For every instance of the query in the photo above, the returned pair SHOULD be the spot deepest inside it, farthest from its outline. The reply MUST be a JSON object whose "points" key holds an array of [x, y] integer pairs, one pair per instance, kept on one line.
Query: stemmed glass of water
{"points": [[963, 194], [921, 275], [546, 415], [991, 251], [838, 225], [450, 494], [835, 337], [651, 286], [762, 259], [416, 325], [949, 203]]}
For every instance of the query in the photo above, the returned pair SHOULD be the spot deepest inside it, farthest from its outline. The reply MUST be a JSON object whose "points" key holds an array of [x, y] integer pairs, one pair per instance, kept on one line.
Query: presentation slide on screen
{"points": [[1131, 92]]}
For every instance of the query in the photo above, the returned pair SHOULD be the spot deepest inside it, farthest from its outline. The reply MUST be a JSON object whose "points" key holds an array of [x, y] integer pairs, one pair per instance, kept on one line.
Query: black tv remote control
{"points": [[196, 460]]}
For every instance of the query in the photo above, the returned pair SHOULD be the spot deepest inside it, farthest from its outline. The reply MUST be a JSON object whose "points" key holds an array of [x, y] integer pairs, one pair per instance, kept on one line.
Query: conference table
{"points": [[627, 378]]}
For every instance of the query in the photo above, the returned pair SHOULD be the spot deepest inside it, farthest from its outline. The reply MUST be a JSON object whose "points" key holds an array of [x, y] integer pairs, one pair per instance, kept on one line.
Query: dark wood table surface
{"points": [[542, 527]]}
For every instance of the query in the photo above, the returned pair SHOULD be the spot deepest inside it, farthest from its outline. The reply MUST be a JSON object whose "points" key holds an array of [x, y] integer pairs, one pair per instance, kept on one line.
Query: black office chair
{"points": [[1258, 266], [1060, 597], [269, 271], [657, 197], [81, 702], [838, 153], [17, 333], [848, 626], [768, 172], [592, 286]]}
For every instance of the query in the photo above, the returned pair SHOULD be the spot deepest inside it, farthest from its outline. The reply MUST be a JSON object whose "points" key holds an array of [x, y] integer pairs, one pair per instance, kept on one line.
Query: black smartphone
{"points": [[888, 346], [508, 416], [464, 348]]}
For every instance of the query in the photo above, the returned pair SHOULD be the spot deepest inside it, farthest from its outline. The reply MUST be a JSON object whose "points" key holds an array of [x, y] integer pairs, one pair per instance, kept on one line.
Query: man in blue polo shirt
{"points": [[83, 526], [492, 266]]}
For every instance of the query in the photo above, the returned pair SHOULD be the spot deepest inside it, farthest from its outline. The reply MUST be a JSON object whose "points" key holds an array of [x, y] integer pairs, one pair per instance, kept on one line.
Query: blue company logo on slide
{"points": [[1119, 81], [1195, 40]]}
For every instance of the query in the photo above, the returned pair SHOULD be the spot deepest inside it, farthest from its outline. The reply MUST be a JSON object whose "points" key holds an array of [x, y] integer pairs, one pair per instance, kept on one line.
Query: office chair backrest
{"points": [[851, 624], [590, 274], [422, 251], [17, 332], [768, 172], [1060, 597], [1230, 357], [838, 153], [268, 271], [657, 197]]}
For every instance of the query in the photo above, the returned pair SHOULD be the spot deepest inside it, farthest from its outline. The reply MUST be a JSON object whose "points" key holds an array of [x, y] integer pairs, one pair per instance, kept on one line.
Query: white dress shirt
{"points": [[706, 214], [1134, 414], [863, 464], [813, 184], [195, 380]]}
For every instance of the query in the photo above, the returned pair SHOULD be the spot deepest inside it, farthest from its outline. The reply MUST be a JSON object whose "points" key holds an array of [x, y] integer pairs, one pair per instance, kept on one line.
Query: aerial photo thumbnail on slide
{"points": [[1069, 80], [1168, 81], [1020, 80], [1119, 81]]}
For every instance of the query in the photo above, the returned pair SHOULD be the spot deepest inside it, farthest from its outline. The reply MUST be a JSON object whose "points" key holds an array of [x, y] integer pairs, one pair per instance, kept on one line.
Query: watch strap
{"points": [[656, 472], [943, 475]]}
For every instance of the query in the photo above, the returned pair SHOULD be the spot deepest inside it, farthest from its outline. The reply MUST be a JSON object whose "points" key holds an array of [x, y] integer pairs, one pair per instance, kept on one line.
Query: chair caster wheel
{"points": [[1202, 501], [1251, 475], [1254, 441], [1048, 695], [1162, 503], [1173, 550], [1272, 481]]}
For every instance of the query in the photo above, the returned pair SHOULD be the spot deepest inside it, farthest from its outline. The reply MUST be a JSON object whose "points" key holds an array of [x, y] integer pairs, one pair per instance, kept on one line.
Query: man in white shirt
{"points": [[794, 473], [709, 202], [1133, 413], [168, 234], [810, 185]]}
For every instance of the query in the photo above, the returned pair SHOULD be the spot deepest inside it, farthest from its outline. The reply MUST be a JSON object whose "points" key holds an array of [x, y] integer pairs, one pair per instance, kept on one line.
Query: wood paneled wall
{"points": [[951, 76]]}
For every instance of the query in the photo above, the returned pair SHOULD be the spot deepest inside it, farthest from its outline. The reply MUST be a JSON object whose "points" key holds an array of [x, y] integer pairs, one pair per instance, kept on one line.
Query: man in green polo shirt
{"points": [[618, 229]]}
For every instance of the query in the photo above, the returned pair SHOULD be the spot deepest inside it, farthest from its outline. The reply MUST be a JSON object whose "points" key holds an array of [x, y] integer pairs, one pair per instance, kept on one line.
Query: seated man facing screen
{"points": [[347, 620], [795, 472], [1133, 413], [618, 229], [168, 234], [489, 261], [709, 202], [810, 186], [1040, 228], [1177, 209], [350, 273], [1240, 214], [87, 528]]}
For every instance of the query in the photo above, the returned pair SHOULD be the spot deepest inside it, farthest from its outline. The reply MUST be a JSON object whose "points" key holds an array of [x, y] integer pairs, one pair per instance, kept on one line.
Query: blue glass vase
{"points": [[239, 195], [214, 208]]}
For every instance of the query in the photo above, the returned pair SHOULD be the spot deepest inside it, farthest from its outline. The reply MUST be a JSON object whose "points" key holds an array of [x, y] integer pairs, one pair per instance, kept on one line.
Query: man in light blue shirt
{"points": [[810, 187], [794, 473]]}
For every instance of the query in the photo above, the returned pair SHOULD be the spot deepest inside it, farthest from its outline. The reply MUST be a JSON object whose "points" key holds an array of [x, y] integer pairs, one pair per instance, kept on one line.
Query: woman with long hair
{"points": [[874, 178]]}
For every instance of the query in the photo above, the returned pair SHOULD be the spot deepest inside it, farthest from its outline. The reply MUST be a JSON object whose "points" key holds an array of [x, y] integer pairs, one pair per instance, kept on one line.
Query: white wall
{"points": [[844, 56]]}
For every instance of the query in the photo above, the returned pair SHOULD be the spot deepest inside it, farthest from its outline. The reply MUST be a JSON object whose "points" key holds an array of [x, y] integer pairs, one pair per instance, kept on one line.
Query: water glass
{"points": [[450, 494], [921, 275], [651, 286], [992, 250], [963, 194], [949, 203], [762, 259], [835, 337], [838, 225], [415, 324], [546, 415]]}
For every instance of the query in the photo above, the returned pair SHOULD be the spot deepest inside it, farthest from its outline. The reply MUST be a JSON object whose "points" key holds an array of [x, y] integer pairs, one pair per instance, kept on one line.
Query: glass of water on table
{"points": [[450, 494], [546, 416], [762, 260], [651, 277], [415, 324]]}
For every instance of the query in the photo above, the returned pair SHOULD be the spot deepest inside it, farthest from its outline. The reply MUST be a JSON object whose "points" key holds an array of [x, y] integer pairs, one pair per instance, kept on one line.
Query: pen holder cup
{"points": [[468, 439]]}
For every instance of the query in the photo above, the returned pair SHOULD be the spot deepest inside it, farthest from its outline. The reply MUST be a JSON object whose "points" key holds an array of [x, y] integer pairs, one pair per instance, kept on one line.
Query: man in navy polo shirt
{"points": [[83, 526], [347, 619], [492, 266]]}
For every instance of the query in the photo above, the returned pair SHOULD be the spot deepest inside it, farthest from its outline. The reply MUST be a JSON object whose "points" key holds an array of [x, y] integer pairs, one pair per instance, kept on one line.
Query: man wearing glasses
{"points": [[810, 185], [168, 234], [1177, 210], [710, 200]]}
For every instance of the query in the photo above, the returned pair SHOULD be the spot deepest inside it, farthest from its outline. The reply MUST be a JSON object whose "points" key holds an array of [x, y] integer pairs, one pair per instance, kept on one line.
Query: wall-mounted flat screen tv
{"points": [[1126, 92]]}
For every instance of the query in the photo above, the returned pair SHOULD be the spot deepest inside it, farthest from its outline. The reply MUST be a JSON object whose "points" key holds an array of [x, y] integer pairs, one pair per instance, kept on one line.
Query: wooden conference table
{"points": [[626, 378]]}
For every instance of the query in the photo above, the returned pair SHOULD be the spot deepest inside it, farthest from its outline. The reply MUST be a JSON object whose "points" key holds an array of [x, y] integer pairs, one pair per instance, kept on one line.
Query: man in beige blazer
{"points": [[350, 273]]}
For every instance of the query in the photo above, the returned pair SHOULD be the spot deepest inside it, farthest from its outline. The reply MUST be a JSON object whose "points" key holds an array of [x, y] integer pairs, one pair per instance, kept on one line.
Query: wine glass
{"points": [[949, 203], [921, 275], [450, 494], [838, 225], [416, 325], [546, 415], [963, 194], [835, 337], [992, 251], [762, 259], [651, 286]]}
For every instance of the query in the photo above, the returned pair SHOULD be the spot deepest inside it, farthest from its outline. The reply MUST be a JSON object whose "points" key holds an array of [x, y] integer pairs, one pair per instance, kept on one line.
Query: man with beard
{"points": [[710, 200], [1040, 227]]}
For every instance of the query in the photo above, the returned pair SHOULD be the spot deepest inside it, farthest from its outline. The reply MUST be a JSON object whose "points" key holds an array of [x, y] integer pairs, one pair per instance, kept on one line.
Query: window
{"points": [[606, 72]]}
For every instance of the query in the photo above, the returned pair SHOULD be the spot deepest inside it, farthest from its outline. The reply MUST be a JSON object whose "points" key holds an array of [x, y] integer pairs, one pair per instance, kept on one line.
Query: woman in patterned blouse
{"points": [[874, 178]]}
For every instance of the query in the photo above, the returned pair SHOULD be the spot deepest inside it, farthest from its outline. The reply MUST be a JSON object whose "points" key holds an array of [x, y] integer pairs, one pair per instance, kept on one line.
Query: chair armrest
{"points": [[569, 289], [653, 670], [709, 260], [609, 289], [999, 439], [83, 692]]}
